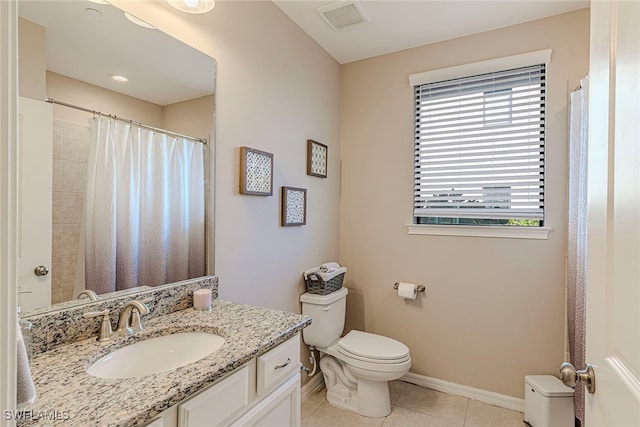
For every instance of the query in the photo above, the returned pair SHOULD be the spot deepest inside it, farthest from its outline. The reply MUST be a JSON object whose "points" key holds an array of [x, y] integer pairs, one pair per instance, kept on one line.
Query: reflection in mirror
{"points": [[69, 52]]}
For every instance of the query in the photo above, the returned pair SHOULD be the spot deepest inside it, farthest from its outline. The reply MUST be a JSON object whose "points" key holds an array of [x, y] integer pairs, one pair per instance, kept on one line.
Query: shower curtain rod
{"points": [[152, 128]]}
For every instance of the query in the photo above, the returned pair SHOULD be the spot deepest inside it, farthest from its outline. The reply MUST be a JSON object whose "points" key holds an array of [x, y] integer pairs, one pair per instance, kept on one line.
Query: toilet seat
{"points": [[372, 349]]}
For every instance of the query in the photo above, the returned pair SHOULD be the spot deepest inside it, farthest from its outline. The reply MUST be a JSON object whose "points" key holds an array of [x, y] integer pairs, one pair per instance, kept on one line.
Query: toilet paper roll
{"points": [[407, 290]]}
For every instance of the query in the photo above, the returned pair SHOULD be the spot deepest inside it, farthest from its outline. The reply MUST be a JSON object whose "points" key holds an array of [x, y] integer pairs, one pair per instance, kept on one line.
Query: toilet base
{"points": [[373, 398], [344, 391]]}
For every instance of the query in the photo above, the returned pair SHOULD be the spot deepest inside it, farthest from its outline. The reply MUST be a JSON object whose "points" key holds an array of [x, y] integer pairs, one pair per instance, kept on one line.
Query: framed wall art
{"points": [[256, 172], [294, 206], [317, 155]]}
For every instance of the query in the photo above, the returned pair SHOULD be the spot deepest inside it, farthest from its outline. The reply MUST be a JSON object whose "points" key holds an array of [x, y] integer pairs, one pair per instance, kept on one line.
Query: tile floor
{"points": [[411, 406]]}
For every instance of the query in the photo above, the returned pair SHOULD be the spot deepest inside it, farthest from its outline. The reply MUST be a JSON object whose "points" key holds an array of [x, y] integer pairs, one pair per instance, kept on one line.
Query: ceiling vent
{"points": [[344, 15]]}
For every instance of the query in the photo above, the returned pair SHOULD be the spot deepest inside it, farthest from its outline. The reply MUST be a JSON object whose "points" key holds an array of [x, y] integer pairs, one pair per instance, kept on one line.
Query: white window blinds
{"points": [[479, 148]]}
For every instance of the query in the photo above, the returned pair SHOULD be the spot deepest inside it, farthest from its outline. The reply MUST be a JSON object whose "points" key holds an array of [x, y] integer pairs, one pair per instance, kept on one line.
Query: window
{"points": [[479, 148]]}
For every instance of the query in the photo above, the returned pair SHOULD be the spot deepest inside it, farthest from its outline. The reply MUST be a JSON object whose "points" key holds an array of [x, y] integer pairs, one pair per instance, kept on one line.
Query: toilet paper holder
{"points": [[419, 288]]}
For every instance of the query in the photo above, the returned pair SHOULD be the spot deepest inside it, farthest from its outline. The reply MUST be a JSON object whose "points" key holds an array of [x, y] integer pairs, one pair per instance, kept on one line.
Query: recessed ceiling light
{"points": [[138, 21], [193, 6], [93, 12], [118, 78], [99, 1]]}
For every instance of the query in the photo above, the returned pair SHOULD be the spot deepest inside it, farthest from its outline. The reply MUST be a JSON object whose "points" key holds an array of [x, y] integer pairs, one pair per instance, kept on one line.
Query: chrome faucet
{"points": [[129, 321], [88, 293]]}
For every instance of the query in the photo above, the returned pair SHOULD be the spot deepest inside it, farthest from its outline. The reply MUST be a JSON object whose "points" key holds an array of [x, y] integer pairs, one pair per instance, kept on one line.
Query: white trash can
{"points": [[547, 402]]}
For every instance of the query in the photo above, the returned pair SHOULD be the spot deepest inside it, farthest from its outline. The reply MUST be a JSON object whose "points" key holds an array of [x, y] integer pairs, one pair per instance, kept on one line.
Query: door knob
{"points": [[570, 377], [41, 270]]}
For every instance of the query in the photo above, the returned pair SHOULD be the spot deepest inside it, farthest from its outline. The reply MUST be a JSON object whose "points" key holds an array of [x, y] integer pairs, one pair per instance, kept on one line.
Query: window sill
{"points": [[504, 232]]}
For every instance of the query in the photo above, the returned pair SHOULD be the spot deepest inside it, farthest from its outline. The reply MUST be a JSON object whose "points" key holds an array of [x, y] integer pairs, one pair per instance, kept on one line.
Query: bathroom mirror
{"points": [[84, 44]]}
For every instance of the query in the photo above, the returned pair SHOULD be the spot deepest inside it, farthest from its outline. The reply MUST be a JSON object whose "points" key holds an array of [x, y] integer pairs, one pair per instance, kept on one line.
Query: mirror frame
{"points": [[8, 199]]}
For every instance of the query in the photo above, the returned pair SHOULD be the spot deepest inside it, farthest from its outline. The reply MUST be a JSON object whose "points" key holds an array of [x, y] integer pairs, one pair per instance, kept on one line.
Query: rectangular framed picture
{"points": [[294, 206], [317, 155], [256, 172]]}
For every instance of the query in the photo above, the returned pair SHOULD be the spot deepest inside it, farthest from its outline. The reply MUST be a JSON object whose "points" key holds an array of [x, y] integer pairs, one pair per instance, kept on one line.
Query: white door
{"points": [[613, 239], [35, 133]]}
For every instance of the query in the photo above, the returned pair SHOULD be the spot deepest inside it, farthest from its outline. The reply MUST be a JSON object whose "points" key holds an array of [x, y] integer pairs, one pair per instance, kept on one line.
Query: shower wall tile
{"points": [[56, 279], [70, 152], [70, 239], [67, 290], [56, 296], [56, 211], [57, 175], [68, 265], [56, 239], [67, 125], [56, 269], [74, 176], [57, 143], [75, 145], [72, 207]]}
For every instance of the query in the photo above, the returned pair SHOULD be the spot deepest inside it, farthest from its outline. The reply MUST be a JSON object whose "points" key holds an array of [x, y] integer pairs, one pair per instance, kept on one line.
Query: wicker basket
{"points": [[324, 283]]}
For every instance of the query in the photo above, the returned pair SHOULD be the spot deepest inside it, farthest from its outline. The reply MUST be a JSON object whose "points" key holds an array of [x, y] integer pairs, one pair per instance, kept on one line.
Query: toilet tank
{"points": [[327, 317]]}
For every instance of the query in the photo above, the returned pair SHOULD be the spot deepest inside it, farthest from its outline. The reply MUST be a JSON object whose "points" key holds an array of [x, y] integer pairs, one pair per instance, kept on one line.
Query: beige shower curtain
{"points": [[577, 236], [145, 208]]}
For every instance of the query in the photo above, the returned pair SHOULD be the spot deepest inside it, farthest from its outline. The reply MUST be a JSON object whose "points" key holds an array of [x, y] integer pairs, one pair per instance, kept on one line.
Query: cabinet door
{"points": [[157, 423], [281, 408], [218, 403]]}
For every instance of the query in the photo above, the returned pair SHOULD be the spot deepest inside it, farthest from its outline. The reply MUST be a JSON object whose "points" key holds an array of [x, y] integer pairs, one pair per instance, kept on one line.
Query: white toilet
{"points": [[357, 367]]}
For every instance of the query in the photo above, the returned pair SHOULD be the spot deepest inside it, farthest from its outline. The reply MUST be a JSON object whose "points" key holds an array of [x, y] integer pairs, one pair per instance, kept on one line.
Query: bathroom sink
{"points": [[156, 355]]}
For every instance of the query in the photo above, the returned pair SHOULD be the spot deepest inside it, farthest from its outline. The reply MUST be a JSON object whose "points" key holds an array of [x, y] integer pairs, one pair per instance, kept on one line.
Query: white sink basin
{"points": [[156, 355]]}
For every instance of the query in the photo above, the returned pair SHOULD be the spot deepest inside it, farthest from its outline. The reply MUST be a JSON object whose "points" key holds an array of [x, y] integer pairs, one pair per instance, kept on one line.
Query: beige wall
{"points": [[485, 325], [193, 117], [76, 92], [32, 65], [494, 309], [275, 88]]}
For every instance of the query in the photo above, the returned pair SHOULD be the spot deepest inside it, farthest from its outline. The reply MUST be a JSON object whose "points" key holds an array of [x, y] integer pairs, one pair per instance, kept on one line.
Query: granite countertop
{"points": [[70, 396]]}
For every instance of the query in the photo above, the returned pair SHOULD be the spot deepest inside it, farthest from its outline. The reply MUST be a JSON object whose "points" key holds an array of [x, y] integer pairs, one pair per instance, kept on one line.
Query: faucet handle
{"points": [[136, 322], [105, 326]]}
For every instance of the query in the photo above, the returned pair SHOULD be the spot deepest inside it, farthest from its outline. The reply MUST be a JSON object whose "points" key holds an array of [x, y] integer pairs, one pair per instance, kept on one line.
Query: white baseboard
{"points": [[311, 386], [496, 399], [489, 397]]}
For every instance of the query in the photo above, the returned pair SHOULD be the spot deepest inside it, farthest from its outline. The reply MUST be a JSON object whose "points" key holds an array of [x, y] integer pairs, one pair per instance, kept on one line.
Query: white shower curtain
{"points": [[144, 209], [577, 235]]}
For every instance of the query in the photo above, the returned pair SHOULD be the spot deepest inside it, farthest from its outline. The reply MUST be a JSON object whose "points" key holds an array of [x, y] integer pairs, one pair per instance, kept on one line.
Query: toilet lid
{"points": [[366, 346]]}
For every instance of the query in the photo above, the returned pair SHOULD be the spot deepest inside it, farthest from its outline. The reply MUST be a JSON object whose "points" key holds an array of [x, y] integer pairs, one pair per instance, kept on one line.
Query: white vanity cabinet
{"points": [[263, 392]]}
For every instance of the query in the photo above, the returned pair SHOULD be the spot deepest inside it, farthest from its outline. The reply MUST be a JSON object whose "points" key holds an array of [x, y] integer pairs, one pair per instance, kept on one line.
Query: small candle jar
{"points": [[202, 299]]}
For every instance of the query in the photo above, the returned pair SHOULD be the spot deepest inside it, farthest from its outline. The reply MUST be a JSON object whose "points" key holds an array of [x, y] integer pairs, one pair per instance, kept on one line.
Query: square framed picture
{"points": [[294, 206], [256, 172], [317, 155]]}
